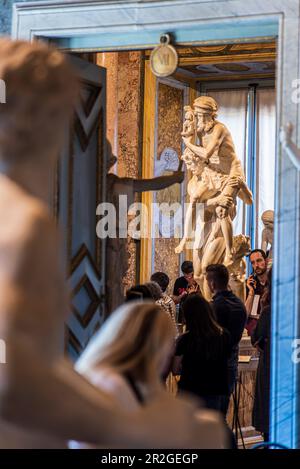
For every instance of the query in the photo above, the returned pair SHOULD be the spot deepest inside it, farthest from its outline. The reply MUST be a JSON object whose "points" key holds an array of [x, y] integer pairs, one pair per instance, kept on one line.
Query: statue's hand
{"points": [[187, 133], [186, 140], [223, 200], [235, 182], [180, 246]]}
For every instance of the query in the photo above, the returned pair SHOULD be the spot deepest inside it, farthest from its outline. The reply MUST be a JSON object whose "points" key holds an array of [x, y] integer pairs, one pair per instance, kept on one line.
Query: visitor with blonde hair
{"points": [[129, 353], [127, 357]]}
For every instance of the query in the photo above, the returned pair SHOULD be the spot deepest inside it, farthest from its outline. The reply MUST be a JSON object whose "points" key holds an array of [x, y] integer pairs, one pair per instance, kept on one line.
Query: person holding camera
{"points": [[256, 286], [183, 283]]}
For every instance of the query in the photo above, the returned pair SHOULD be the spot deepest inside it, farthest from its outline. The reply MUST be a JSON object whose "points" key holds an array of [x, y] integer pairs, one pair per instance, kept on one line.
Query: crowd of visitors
{"points": [[184, 335]]}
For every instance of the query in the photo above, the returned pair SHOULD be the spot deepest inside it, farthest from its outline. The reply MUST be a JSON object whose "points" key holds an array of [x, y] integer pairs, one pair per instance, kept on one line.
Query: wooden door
{"points": [[81, 188]]}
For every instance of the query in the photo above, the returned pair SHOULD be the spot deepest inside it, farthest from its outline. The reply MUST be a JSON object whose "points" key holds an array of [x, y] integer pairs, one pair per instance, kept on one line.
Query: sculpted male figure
{"points": [[43, 401], [217, 176], [116, 248]]}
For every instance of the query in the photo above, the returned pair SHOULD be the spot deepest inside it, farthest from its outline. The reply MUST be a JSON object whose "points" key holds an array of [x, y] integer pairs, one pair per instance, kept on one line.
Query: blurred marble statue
{"points": [[268, 232], [43, 401], [117, 248], [237, 271], [217, 181]]}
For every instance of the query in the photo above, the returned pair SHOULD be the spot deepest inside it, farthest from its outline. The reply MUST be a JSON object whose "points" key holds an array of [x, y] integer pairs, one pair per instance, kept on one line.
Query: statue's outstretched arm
{"points": [[157, 183]]}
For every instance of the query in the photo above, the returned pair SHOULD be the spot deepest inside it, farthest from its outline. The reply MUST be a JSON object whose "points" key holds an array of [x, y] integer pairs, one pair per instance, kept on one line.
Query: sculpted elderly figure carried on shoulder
{"points": [[218, 176]]}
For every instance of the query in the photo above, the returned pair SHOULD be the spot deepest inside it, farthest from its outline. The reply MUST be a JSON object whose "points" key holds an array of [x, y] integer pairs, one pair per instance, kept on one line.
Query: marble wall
{"points": [[130, 106], [170, 103], [124, 107]]}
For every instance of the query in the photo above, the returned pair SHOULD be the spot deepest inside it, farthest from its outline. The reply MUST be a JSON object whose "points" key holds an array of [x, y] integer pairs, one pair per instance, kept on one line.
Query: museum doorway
{"points": [[143, 118]]}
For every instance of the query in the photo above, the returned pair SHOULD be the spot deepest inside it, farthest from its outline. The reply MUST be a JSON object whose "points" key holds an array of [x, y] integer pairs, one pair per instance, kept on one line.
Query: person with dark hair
{"points": [[165, 301], [261, 340], [202, 353], [162, 279], [219, 277], [256, 286], [154, 289], [231, 314], [182, 283], [259, 251]]}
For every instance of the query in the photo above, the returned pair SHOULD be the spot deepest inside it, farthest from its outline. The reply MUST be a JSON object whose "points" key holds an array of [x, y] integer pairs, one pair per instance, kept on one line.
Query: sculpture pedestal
{"points": [[244, 392]]}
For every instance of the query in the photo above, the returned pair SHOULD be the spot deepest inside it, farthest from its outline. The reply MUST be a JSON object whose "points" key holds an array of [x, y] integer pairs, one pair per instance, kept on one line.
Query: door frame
{"points": [[137, 24]]}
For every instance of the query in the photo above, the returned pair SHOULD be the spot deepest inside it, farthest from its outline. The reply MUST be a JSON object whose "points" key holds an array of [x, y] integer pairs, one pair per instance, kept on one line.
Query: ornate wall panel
{"points": [[123, 114], [164, 100], [81, 189], [170, 102], [129, 133]]}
